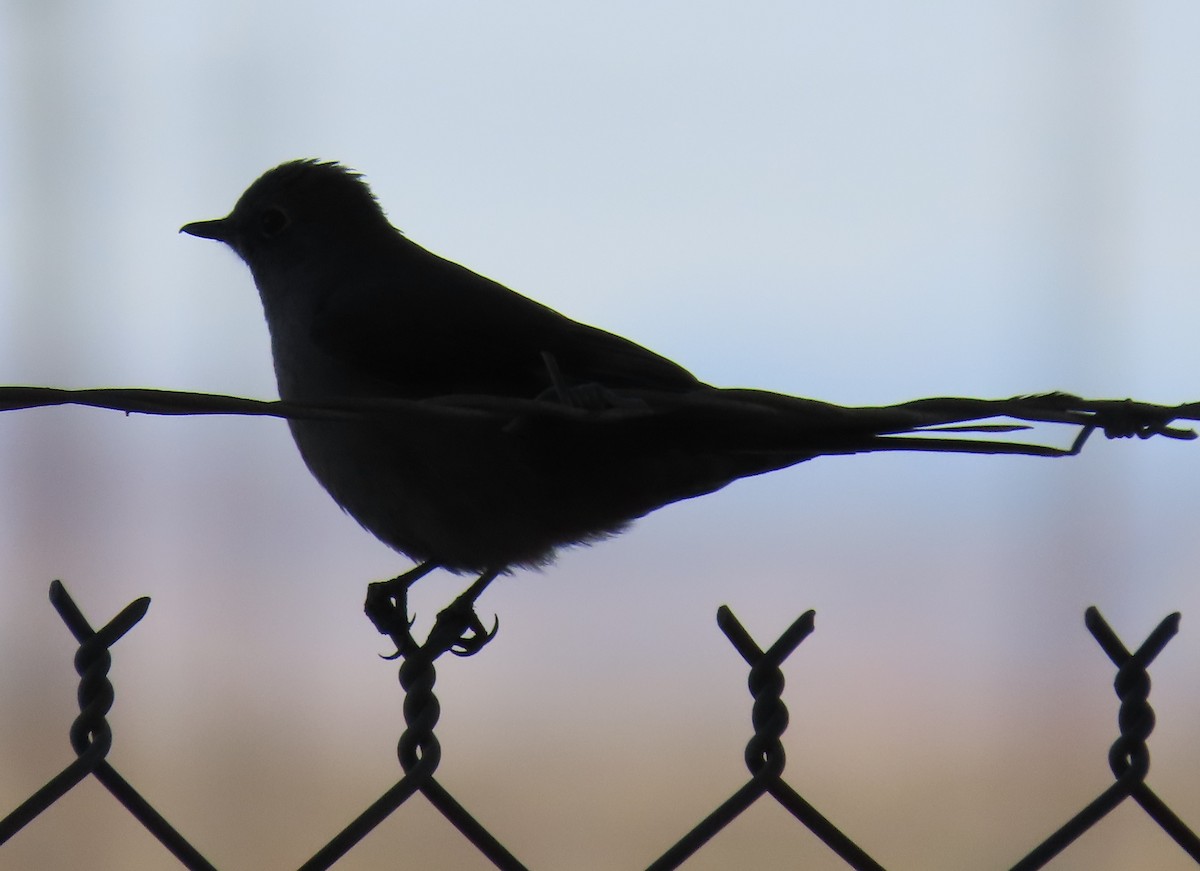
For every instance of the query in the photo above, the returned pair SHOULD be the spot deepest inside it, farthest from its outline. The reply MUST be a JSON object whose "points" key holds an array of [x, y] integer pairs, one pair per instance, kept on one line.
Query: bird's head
{"points": [[294, 211]]}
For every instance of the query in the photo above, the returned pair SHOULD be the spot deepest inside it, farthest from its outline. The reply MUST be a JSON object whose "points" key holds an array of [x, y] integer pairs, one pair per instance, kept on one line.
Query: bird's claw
{"points": [[387, 608], [469, 646], [459, 630]]}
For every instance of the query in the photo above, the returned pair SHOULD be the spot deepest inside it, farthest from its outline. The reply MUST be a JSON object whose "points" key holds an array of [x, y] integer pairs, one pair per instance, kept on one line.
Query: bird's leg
{"points": [[458, 628], [387, 607]]}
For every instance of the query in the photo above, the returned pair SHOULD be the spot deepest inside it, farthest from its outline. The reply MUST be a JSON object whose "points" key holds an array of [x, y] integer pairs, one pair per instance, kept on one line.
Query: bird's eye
{"points": [[272, 222]]}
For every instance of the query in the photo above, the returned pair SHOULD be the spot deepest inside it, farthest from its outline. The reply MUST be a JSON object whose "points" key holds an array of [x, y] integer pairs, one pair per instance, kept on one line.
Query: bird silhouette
{"points": [[523, 431]]}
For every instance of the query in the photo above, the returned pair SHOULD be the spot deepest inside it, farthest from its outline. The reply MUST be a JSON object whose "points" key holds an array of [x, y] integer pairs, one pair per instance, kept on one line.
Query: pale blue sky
{"points": [[860, 202]]}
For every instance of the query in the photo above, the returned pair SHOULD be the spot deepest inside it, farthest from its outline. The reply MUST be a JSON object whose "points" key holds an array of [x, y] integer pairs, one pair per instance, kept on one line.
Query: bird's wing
{"points": [[446, 330]]}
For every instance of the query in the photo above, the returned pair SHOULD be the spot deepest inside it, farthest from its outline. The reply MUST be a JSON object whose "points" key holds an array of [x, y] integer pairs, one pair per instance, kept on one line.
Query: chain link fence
{"points": [[419, 753]]}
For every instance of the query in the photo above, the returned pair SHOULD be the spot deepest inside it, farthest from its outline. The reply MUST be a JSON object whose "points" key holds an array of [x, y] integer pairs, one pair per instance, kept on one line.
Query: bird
{"points": [[506, 430]]}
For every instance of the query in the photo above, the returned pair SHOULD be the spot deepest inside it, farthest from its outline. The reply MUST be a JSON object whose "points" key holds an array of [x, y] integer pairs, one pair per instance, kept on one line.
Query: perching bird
{"points": [[532, 431]]}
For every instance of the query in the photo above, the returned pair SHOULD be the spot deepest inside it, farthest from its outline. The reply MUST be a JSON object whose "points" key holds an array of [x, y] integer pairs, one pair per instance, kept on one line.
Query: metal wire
{"points": [[419, 752]]}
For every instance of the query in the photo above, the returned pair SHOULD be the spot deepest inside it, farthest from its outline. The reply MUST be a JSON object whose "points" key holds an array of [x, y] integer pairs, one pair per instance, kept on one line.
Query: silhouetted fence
{"points": [[419, 752]]}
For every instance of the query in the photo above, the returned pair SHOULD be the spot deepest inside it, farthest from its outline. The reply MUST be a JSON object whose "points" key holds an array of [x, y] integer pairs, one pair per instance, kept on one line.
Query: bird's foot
{"points": [[387, 607], [459, 630]]}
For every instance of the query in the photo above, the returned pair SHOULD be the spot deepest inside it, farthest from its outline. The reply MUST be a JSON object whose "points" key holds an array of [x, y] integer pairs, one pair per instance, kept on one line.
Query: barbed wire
{"points": [[918, 425]]}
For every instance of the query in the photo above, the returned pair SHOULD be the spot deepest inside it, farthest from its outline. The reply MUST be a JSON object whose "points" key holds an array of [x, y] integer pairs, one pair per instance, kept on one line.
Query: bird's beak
{"points": [[221, 229]]}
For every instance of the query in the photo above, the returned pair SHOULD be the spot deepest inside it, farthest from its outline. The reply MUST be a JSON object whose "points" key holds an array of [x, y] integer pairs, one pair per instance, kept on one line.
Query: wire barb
{"points": [[764, 752], [91, 735], [1129, 756]]}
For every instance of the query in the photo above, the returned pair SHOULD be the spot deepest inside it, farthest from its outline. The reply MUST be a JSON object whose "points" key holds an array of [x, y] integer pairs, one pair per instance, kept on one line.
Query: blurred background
{"points": [[859, 202]]}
